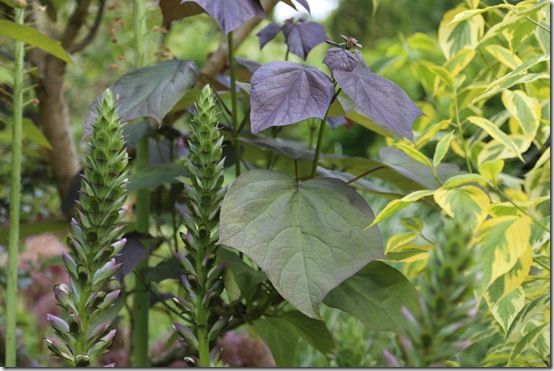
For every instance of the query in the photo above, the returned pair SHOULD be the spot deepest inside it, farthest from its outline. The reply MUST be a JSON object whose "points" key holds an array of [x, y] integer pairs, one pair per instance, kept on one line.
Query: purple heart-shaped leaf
{"points": [[284, 93], [230, 15], [268, 33], [374, 96], [302, 37]]}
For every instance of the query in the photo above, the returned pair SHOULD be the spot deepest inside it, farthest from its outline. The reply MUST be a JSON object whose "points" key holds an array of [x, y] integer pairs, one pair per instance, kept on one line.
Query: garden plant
{"points": [[258, 191]]}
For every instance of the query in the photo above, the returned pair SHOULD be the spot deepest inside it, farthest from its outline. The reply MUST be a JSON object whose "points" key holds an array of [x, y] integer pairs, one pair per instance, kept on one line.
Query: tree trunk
{"points": [[54, 120]]}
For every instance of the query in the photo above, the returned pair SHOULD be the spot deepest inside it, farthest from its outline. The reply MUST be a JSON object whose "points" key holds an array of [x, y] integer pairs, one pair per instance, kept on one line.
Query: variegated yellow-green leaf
{"points": [[525, 110], [507, 308], [396, 205], [504, 56], [508, 208], [467, 198], [402, 248], [467, 14], [453, 37], [491, 169], [442, 148], [457, 63], [463, 179], [501, 242], [495, 150], [512, 280], [495, 133], [527, 341], [411, 151], [517, 76]]}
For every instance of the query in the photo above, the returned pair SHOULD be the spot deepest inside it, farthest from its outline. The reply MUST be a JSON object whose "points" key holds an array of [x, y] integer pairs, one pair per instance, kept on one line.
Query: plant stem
{"points": [[234, 108], [141, 300], [318, 145], [460, 131], [15, 187]]}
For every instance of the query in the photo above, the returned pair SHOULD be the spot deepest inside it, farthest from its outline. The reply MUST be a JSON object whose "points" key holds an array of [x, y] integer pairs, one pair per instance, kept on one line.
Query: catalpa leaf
{"points": [[374, 96], [150, 91], [307, 237], [375, 295], [285, 93], [230, 15], [268, 33], [302, 37], [173, 10]]}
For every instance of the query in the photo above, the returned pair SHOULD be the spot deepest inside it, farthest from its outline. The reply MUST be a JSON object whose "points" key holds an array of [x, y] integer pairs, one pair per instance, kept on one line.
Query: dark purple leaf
{"points": [[173, 10], [150, 91], [268, 33], [374, 96], [302, 37], [339, 59], [284, 93], [132, 253], [230, 15], [248, 64]]}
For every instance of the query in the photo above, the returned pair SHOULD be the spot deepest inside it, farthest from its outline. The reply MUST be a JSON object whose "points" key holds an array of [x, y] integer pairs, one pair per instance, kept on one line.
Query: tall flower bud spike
{"points": [[204, 194], [96, 238]]}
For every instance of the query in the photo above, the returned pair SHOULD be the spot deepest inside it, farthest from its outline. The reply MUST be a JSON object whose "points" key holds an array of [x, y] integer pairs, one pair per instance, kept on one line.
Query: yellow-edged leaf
{"points": [[464, 200], [504, 56], [501, 243], [442, 148], [396, 205], [413, 152], [453, 37], [525, 110], [491, 169], [495, 133], [506, 309], [458, 62], [463, 179]]}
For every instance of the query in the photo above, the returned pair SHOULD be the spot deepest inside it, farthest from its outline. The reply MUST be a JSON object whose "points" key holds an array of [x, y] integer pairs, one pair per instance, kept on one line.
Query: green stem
{"points": [[318, 145], [537, 222], [460, 131], [234, 103], [11, 290], [141, 300]]}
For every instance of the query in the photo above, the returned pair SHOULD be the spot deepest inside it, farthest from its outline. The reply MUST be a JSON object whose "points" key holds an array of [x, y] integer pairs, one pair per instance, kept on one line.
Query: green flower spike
{"points": [[89, 302], [202, 277], [439, 332]]}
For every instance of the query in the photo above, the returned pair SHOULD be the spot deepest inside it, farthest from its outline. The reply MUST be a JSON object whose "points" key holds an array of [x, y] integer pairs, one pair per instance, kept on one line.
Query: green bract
{"points": [[90, 301]]}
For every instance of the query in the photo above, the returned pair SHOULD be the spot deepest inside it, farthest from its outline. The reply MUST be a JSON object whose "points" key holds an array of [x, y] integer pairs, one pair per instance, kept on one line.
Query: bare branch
{"points": [[93, 30]]}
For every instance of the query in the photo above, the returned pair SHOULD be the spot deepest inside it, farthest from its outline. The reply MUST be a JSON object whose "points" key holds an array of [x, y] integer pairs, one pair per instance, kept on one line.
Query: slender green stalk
{"points": [[141, 300], [15, 191], [461, 131], [234, 103], [322, 125], [202, 278]]}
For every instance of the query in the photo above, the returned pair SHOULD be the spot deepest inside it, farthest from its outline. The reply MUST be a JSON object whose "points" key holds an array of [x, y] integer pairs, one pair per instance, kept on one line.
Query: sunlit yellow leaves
{"points": [[504, 56], [464, 200], [501, 242], [402, 247], [491, 169], [497, 134], [505, 310], [396, 205], [413, 152], [442, 148], [453, 37], [457, 63], [526, 111]]}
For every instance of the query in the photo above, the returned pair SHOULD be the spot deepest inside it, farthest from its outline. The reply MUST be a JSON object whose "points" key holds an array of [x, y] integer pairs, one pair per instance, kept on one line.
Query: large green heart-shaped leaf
{"points": [[375, 296], [308, 237]]}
